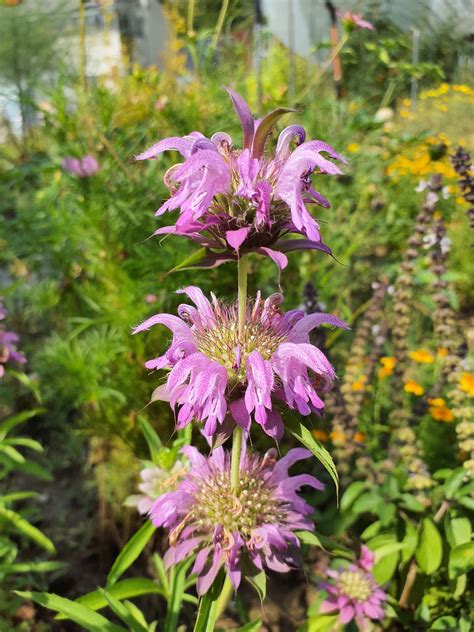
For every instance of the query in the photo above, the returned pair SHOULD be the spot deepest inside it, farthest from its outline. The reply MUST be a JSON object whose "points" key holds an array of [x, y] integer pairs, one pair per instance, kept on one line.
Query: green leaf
{"points": [[207, 611], [265, 127], [27, 529], [458, 530], [87, 619], [130, 552], [461, 560], [410, 542], [12, 453], [310, 538], [303, 435], [201, 259], [323, 623], [25, 442], [133, 587], [32, 567], [253, 626], [14, 496], [352, 492], [445, 623], [454, 482], [259, 582], [160, 569], [429, 552], [152, 439], [385, 568], [176, 592], [372, 530], [123, 613], [411, 503], [15, 420]]}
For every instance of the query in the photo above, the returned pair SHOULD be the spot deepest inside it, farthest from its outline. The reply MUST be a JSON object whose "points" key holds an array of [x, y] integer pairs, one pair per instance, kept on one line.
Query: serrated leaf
{"points": [[429, 551], [305, 437], [87, 619], [130, 552], [27, 529]]}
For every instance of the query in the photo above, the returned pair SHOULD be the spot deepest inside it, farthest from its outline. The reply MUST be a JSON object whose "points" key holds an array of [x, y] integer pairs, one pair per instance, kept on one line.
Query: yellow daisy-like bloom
{"points": [[338, 437], [442, 352], [320, 434], [423, 356], [441, 413], [413, 387], [466, 383], [359, 384], [388, 364], [436, 401]]}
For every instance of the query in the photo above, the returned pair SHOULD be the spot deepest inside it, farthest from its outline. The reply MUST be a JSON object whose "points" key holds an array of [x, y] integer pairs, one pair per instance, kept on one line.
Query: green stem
{"points": [[235, 463], [342, 42], [220, 23], [224, 597]]}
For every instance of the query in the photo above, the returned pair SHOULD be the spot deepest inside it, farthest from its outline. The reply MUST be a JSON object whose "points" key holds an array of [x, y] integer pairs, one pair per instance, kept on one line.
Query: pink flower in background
{"points": [[155, 481], [151, 298], [258, 522], [213, 372], [352, 20], [354, 594], [8, 345], [82, 168], [233, 201]]}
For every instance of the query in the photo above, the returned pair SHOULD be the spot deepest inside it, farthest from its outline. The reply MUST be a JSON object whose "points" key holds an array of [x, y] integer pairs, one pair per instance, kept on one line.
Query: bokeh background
{"points": [[109, 78]]}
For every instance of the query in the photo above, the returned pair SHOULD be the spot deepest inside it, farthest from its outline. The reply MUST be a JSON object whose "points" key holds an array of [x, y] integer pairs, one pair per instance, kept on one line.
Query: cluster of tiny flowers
{"points": [[8, 342], [234, 201], [81, 167], [216, 371], [353, 593], [254, 524]]}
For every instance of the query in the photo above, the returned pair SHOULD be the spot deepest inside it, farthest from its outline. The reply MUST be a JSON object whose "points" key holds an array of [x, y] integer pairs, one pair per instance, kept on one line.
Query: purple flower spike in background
{"points": [[354, 593], [234, 201], [84, 168], [8, 342], [255, 523], [214, 372]]}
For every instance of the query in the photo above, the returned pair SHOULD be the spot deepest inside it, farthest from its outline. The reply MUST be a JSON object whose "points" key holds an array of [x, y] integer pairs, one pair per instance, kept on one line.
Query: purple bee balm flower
{"points": [[8, 350], [354, 20], [257, 522], [234, 201], [155, 481], [214, 372], [84, 168], [354, 593]]}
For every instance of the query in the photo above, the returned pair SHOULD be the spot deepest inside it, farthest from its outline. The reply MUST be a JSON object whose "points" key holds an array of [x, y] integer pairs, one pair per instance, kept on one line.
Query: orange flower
{"points": [[466, 383], [422, 355], [436, 401], [413, 387], [442, 352], [320, 434], [359, 437], [338, 437], [359, 384], [388, 364], [441, 413]]}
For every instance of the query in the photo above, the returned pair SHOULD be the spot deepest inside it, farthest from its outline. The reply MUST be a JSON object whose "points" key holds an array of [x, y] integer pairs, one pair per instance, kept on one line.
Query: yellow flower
{"points": [[338, 437], [436, 401], [413, 387], [388, 362], [320, 434], [359, 437], [353, 148], [442, 352], [441, 413], [466, 383], [422, 355], [359, 384]]}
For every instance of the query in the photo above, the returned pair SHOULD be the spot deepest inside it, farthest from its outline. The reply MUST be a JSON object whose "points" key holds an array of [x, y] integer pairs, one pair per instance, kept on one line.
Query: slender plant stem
{"points": [[190, 17], [242, 272], [224, 597], [220, 23], [337, 49]]}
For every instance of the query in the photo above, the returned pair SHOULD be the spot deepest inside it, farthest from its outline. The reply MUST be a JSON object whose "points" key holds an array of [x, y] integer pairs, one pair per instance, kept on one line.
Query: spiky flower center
{"points": [[355, 585], [222, 343], [253, 506]]}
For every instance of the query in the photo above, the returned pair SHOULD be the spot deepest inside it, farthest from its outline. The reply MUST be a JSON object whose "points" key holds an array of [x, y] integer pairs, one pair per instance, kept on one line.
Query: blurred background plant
{"points": [[95, 83]]}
